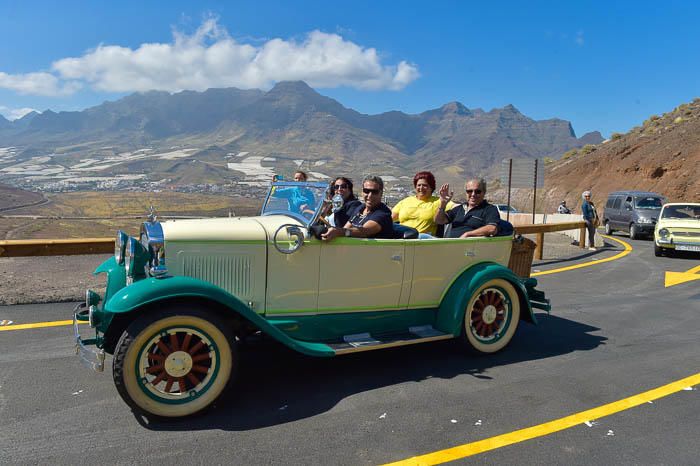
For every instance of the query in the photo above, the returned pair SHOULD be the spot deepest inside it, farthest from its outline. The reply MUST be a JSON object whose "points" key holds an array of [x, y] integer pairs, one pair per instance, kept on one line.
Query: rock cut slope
{"points": [[662, 155]]}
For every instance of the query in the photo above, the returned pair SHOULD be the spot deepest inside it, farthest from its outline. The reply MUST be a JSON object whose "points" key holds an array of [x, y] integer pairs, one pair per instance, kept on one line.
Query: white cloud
{"points": [[15, 113], [212, 58], [39, 83]]}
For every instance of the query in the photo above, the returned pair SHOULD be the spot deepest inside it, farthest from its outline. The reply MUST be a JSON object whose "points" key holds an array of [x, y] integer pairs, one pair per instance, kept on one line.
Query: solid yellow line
{"points": [[474, 448], [627, 250], [55, 323]]}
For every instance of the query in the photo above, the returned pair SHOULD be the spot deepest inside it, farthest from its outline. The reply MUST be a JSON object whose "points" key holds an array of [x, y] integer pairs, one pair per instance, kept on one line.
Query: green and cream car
{"points": [[678, 228], [181, 296]]}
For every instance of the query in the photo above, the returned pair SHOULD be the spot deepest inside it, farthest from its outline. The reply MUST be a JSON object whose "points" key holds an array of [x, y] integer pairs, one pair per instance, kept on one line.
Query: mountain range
{"points": [[289, 125]]}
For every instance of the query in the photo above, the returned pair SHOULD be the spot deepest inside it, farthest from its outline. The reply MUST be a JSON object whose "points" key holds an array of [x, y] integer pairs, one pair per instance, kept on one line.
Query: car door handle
{"points": [[396, 257]]}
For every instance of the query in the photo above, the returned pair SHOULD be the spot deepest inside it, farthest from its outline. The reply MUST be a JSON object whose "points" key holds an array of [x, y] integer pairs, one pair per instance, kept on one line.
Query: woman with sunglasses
{"points": [[419, 211], [343, 186], [474, 218], [372, 219]]}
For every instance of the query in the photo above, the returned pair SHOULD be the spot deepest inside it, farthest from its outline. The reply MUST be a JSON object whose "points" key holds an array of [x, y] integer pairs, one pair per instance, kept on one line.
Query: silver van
{"points": [[634, 212]]}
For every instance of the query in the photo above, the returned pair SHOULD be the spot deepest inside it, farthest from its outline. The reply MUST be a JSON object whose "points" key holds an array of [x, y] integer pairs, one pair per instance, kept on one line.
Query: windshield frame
{"points": [[297, 216]]}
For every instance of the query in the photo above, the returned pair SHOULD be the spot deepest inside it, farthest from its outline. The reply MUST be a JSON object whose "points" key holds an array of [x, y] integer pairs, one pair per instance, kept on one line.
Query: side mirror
{"points": [[337, 202]]}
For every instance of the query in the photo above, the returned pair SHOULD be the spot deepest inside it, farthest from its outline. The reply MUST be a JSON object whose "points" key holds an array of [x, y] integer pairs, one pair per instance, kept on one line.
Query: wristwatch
{"points": [[348, 233]]}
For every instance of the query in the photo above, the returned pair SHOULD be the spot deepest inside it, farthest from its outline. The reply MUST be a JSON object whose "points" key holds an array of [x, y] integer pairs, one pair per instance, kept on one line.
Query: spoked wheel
{"points": [[174, 363], [492, 316]]}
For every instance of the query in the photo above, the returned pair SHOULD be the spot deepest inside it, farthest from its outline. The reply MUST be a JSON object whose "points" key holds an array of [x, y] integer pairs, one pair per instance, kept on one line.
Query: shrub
{"points": [[588, 148], [615, 136], [569, 154], [548, 160], [678, 120]]}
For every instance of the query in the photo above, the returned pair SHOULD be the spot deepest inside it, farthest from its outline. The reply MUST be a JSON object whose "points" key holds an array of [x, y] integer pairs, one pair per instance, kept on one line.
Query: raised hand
{"points": [[445, 193]]}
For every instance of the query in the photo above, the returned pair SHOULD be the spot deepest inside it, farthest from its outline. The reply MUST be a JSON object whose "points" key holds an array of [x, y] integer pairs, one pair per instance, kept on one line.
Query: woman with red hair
{"points": [[419, 211]]}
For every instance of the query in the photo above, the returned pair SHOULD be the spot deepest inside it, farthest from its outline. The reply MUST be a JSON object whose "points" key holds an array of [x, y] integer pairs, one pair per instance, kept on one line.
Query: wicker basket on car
{"points": [[521, 256]]}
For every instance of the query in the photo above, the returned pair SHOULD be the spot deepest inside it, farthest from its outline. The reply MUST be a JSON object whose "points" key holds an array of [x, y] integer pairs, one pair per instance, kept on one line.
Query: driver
{"points": [[370, 219], [300, 199]]}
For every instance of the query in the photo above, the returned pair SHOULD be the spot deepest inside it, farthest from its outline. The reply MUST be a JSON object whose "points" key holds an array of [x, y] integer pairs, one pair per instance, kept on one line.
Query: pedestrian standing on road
{"points": [[590, 216]]}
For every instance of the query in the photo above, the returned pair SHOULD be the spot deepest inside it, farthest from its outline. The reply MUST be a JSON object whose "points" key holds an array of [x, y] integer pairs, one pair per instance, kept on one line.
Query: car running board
{"points": [[366, 342]]}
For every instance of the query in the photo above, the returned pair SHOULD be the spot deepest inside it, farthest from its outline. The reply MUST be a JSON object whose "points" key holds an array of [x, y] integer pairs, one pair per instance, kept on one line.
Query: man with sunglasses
{"points": [[474, 218], [371, 219]]}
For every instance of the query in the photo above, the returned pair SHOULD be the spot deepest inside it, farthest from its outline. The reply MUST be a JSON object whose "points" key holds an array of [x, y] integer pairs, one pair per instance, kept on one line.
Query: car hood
{"points": [[214, 229], [678, 223]]}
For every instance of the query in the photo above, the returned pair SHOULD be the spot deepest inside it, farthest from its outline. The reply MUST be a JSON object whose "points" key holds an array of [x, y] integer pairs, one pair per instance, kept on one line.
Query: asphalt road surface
{"points": [[615, 333]]}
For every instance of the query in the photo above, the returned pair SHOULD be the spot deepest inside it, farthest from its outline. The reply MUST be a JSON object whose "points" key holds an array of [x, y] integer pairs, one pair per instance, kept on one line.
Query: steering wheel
{"points": [[295, 239]]}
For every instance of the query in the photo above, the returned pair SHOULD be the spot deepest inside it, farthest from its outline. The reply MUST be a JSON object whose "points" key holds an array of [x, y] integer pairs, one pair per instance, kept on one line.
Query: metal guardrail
{"points": [[67, 247]]}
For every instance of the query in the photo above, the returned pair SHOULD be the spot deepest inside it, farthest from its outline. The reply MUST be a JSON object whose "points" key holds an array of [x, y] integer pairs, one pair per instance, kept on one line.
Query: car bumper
{"points": [[91, 358], [645, 228], [679, 245]]}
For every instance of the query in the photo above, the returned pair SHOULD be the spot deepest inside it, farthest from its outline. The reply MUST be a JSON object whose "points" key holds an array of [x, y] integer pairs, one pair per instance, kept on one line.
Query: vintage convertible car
{"points": [[678, 228], [181, 296]]}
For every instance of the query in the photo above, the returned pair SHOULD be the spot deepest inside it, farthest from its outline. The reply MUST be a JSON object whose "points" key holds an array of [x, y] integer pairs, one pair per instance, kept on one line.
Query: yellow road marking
{"points": [[54, 323], [676, 278], [627, 250], [481, 446]]}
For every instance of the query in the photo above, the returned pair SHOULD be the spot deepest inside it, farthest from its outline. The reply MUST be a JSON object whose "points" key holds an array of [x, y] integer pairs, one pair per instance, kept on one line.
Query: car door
{"points": [[358, 274], [615, 213]]}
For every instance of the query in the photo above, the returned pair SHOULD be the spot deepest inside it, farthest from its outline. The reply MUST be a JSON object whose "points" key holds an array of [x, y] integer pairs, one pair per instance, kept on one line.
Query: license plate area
{"points": [[686, 247]]}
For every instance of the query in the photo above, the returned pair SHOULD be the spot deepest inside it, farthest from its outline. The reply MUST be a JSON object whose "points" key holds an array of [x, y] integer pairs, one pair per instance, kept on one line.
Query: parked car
{"points": [[634, 212], [505, 208], [678, 228], [181, 296]]}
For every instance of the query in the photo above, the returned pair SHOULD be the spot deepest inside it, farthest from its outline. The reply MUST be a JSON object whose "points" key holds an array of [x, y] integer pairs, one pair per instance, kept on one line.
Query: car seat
{"points": [[404, 232]]}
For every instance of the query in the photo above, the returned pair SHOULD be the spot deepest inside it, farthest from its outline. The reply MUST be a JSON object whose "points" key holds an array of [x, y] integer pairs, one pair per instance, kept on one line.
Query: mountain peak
{"points": [[292, 86], [456, 108]]}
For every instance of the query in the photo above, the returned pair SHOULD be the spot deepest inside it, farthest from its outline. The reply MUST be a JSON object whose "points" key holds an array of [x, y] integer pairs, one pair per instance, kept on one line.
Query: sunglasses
{"points": [[370, 191], [474, 191], [341, 186]]}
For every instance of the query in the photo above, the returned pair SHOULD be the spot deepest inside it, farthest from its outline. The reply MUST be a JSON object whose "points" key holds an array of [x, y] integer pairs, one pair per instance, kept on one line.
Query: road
{"points": [[615, 332]]}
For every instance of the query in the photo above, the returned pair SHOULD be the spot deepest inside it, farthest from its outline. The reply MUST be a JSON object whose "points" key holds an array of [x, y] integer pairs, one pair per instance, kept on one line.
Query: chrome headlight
{"points": [[644, 220], [153, 241], [664, 233], [135, 260], [120, 246]]}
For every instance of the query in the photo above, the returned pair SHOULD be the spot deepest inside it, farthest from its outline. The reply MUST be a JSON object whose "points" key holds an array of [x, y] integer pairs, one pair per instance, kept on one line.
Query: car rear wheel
{"points": [[175, 362], [608, 229], [634, 233], [492, 316]]}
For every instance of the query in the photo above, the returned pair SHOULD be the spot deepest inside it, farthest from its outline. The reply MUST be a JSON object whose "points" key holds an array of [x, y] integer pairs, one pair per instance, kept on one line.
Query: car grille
{"points": [[232, 273], [690, 234]]}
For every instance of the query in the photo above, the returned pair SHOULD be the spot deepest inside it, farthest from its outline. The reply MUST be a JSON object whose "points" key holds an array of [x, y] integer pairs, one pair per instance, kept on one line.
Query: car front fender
{"points": [[116, 276], [154, 290], [454, 303]]}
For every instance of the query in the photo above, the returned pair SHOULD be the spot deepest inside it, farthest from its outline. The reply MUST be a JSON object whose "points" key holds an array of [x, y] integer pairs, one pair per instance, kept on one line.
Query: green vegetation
{"points": [[615, 136], [548, 160], [588, 148], [569, 154]]}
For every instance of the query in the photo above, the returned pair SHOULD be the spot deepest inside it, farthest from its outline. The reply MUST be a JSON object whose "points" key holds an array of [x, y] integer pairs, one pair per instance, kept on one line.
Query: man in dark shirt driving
{"points": [[371, 219], [474, 218]]}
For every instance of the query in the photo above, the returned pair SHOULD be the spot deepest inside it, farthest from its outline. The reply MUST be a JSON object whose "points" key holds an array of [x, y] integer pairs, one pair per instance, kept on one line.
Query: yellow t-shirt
{"points": [[419, 214]]}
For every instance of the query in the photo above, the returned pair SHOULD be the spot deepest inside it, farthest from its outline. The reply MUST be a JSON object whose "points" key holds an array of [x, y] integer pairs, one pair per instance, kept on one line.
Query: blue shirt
{"points": [[297, 197]]}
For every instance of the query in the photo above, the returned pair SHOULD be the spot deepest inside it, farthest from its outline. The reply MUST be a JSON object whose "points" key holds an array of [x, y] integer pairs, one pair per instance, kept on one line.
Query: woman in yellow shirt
{"points": [[419, 211]]}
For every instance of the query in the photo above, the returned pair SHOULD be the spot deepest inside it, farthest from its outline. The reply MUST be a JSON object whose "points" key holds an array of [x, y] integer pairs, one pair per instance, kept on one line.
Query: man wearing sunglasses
{"points": [[370, 219], [474, 218]]}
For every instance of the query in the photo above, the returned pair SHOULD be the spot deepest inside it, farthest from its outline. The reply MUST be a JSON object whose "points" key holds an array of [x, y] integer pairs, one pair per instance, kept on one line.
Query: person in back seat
{"points": [[419, 211], [474, 218], [371, 219]]}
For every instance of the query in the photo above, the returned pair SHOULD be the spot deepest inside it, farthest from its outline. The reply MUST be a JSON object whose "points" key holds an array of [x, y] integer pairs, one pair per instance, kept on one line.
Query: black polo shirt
{"points": [[381, 215], [463, 221], [341, 217]]}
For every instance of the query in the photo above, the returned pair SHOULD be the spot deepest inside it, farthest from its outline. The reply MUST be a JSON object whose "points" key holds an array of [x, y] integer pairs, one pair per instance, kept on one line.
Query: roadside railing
{"points": [[67, 247]]}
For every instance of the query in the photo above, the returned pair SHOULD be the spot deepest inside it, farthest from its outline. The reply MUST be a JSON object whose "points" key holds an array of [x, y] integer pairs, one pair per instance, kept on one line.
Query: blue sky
{"points": [[601, 65]]}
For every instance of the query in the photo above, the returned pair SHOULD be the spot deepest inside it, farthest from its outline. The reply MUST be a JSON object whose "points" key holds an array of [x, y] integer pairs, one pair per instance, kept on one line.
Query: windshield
{"points": [[301, 200], [681, 211], [649, 202]]}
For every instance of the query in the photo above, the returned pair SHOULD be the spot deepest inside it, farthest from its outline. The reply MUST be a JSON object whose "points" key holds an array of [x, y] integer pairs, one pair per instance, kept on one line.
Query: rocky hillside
{"points": [[662, 155]]}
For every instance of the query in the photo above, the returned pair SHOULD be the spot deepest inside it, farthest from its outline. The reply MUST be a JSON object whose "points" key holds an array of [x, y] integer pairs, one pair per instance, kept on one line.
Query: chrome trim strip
{"points": [[393, 344]]}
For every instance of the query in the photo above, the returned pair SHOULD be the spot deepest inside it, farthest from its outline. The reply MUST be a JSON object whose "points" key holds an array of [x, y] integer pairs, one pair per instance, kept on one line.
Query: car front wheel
{"points": [[608, 229], [634, 234], [658, 252], [175, 362], [491, 316]]}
